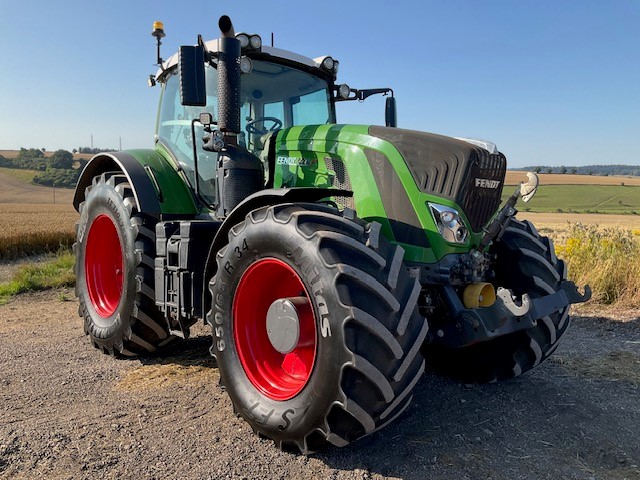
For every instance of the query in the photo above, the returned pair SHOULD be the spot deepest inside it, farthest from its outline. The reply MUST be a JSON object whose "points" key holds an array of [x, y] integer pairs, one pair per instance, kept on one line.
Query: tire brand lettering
{"points": [[228, 267], [238, 251], [287, 422], [316, 290], [259, 417], [218, 316]]}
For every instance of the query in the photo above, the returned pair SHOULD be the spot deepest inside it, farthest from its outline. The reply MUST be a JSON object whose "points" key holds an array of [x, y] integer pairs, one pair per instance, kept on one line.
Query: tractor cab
{"points": [[277, 90]]}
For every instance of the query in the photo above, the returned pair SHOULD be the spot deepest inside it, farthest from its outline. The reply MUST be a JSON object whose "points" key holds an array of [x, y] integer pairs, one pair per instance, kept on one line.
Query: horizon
{"points": [[549, 83]]}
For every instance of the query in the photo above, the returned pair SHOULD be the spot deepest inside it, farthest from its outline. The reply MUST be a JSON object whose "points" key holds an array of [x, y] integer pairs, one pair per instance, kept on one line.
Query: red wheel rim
{"points": [[276, 375], [103, 266]]}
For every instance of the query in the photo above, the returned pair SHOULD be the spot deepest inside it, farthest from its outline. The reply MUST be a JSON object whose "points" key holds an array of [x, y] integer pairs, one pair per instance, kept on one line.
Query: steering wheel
{"points": [[251, 126]]}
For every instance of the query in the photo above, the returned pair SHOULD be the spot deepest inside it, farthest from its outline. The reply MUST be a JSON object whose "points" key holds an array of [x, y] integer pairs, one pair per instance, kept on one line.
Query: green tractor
{"points": [[331, 261]]}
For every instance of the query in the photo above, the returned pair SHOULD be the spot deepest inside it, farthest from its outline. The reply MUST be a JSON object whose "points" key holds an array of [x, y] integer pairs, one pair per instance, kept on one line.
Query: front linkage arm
{"points": [[506, 315]]}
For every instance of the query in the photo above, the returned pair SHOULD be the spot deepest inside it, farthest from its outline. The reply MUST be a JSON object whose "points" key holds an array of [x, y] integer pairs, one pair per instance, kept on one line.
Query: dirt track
{"points": [[13, 190], [68, 411]]}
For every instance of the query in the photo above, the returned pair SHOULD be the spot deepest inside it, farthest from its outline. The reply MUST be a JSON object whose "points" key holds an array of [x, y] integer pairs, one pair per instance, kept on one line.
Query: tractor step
{"points": [[181, 253]]}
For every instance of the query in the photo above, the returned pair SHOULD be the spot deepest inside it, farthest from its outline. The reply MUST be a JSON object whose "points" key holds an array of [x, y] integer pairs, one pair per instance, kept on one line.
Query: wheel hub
{"points": [[283, 323]]}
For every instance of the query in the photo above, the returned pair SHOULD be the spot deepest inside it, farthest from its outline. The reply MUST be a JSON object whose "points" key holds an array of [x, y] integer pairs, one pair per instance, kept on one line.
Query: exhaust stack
{"points": [[228, 80]]}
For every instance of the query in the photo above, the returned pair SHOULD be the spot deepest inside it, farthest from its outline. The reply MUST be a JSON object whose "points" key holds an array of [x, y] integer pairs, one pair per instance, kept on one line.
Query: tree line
{"points": [[602, 170], [59, 169]]}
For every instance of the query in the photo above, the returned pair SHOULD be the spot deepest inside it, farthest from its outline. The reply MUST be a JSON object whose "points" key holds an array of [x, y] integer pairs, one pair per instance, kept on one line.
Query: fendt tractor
{"points": [[333, 262]]}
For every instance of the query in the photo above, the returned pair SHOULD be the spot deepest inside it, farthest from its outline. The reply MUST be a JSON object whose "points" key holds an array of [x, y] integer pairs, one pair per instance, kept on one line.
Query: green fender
{"points": [[157, 187]]}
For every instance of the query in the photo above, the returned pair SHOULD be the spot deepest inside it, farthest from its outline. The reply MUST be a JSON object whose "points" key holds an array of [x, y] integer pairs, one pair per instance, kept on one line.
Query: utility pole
{"points": [[54, 193], [120, 147], [92, 141]]}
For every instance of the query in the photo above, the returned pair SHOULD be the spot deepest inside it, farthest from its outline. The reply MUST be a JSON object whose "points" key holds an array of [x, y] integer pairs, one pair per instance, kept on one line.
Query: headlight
{"points": [[327, 63], [344, 91], [245, 65], [449, 223], [255, 41], [243, 38]]}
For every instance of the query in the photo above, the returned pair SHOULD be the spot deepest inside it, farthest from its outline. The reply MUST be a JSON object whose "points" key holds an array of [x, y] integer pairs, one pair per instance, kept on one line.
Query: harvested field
{"points": [[562, 220], [28, 229]]}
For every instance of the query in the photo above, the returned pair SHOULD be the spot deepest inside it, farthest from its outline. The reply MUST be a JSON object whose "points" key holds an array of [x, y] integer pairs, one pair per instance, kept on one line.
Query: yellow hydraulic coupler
{"points": [[479, 294]]}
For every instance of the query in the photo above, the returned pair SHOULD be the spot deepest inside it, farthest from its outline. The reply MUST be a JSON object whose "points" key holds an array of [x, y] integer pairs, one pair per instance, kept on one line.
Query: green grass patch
{"points": [[614, 199], [24, 175], [54, 273]]}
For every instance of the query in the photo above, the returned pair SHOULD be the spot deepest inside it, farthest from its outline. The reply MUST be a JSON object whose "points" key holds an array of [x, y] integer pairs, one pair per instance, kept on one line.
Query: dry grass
{"points": [[30, 229], [515, 177], [608, 259], [157, 376]]}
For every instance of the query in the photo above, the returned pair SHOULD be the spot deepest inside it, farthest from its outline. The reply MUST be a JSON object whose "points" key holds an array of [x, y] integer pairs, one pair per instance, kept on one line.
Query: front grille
{"points": [[447, 167], [480, 199]]}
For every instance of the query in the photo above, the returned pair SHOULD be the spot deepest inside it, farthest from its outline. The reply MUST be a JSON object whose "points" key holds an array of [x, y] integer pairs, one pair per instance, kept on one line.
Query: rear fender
{"points": [[157, 186], [263, 198]]}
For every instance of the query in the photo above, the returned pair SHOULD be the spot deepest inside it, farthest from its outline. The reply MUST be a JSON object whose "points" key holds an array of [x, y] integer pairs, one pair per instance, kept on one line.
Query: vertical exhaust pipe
{"points": [[228, 79], [239, 172]]}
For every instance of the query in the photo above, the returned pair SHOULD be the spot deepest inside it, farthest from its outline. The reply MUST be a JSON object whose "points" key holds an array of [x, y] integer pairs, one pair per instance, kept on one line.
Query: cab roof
{"points": [[214, 47]]}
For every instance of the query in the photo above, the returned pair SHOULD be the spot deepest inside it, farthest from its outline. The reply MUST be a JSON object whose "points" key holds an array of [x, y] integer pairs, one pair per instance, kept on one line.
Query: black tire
{"points": [[365, 317], [525, 263], [122, 320]]}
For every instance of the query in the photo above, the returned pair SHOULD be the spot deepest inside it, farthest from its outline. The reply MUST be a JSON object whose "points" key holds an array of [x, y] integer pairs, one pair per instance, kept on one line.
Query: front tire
{"points": [[525, 263], [354, 358], [114, 269]]}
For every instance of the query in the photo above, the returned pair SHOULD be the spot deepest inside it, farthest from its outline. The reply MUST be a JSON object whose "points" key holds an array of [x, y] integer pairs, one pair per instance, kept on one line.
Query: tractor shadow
{"points": [[188, 353]]}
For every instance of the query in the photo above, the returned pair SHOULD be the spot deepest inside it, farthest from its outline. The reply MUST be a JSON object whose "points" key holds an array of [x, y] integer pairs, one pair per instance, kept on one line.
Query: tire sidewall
{"points": [[103, 199], [305, 412]]}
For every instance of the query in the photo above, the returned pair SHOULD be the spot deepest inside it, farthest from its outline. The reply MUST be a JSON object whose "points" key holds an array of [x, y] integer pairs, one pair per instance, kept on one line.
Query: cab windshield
{"points": [[273, 96]]}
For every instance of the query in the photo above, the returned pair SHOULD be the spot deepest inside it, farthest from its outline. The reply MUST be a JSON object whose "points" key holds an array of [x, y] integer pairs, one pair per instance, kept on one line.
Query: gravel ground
{"points": [[67, 411]]}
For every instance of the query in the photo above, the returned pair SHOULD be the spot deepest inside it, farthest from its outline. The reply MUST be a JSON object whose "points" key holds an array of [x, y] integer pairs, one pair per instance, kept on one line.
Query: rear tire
{"points": [[115, 251], [354, 369], [525, 263]]}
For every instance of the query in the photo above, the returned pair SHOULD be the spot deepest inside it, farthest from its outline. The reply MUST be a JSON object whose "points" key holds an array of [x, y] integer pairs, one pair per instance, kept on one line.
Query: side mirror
{"points": [[192, 80], [390, 114]]}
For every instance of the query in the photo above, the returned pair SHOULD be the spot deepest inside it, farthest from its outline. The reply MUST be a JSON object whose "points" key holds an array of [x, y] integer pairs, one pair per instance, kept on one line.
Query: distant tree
{"points": [[538, 169], [563, 170], [574, 170], [61, 159], [30, 153], [75, 150], [43, 149], [549, 169]]}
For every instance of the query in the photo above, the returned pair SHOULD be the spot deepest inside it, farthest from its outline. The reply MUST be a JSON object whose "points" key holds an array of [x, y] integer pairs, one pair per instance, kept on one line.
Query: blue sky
{"points": [[550, 82]]}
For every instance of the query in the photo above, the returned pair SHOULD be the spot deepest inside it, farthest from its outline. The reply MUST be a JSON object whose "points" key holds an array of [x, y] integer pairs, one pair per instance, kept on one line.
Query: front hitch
{"points": [[508, 314]]}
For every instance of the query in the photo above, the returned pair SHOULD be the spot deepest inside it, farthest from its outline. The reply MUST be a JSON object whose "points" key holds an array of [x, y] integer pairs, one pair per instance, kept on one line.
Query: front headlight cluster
{"points": [[251, 42], [248, 42], [330, 65], [449, 223]]}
